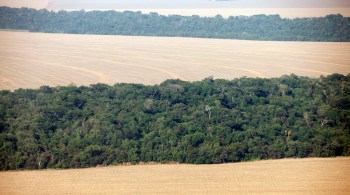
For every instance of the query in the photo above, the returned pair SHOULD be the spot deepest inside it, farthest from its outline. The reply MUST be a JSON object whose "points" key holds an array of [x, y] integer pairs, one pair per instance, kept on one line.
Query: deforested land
{"points": [[31, 60], [286, 176], [138, 111]]}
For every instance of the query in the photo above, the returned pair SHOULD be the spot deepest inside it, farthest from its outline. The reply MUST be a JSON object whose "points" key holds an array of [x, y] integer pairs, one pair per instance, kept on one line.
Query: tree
{"points": [[68, 127], [258, 27], [208, 110]]}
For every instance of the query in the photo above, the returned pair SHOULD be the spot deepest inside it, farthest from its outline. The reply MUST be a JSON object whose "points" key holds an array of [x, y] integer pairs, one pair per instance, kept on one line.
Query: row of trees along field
{"points": [[209, 121], [259, 27]]}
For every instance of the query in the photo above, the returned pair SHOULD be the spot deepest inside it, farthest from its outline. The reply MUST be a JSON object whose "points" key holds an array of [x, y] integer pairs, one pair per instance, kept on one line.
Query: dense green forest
{"points": [[209, 121], [259, 27]]}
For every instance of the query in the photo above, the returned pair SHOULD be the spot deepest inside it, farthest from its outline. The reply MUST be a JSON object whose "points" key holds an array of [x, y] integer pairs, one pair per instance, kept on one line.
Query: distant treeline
{"points": [[209, 121], [259, 27]]}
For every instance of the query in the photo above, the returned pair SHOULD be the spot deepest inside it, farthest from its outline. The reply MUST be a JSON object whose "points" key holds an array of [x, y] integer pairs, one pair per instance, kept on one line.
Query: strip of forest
{"points": [[202, 122], [334, 27]]}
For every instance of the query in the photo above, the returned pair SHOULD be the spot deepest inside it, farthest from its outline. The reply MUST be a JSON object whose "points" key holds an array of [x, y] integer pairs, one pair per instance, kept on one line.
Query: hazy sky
{"points": [[177, 4]]}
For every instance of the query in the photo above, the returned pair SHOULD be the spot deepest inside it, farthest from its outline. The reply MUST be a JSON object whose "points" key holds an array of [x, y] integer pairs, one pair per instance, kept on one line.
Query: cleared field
{"points": [[30, 60], [287, 176]]}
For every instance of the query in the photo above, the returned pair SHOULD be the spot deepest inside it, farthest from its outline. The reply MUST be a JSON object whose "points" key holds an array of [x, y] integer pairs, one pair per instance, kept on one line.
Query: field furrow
{"points": [[287, 176], [30, 60]]}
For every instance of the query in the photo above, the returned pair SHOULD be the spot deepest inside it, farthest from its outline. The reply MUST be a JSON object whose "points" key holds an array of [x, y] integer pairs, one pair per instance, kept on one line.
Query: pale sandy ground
{"points": [[225, 12], [30, 60], [36, 4], [287, 176]]}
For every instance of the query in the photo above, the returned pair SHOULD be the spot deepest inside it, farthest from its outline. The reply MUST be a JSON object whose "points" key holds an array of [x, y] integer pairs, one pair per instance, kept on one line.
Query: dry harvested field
{"points": [[30, 60], [287, 176]]}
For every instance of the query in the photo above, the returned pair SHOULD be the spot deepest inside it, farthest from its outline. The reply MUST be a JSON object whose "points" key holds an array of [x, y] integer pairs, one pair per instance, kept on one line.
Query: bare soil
{"points": [[286, 176], [30, 60]]}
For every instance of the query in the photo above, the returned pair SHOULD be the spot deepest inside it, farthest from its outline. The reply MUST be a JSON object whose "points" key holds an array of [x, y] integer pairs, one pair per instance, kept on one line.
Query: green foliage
{"points": [[258, 27], [250, 118]]}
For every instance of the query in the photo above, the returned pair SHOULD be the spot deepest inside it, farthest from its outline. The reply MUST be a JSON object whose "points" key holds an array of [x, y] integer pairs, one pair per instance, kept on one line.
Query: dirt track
{"points": [[287, 176], [30, 60]]}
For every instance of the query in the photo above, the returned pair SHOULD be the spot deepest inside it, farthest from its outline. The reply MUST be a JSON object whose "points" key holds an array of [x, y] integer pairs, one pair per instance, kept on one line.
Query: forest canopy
{"points": [[208, 121], [258, 27]]}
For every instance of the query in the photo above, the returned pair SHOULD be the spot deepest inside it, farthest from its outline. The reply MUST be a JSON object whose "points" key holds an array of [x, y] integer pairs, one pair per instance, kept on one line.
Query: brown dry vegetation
{"points": [[287, 176], [30, 60]]}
